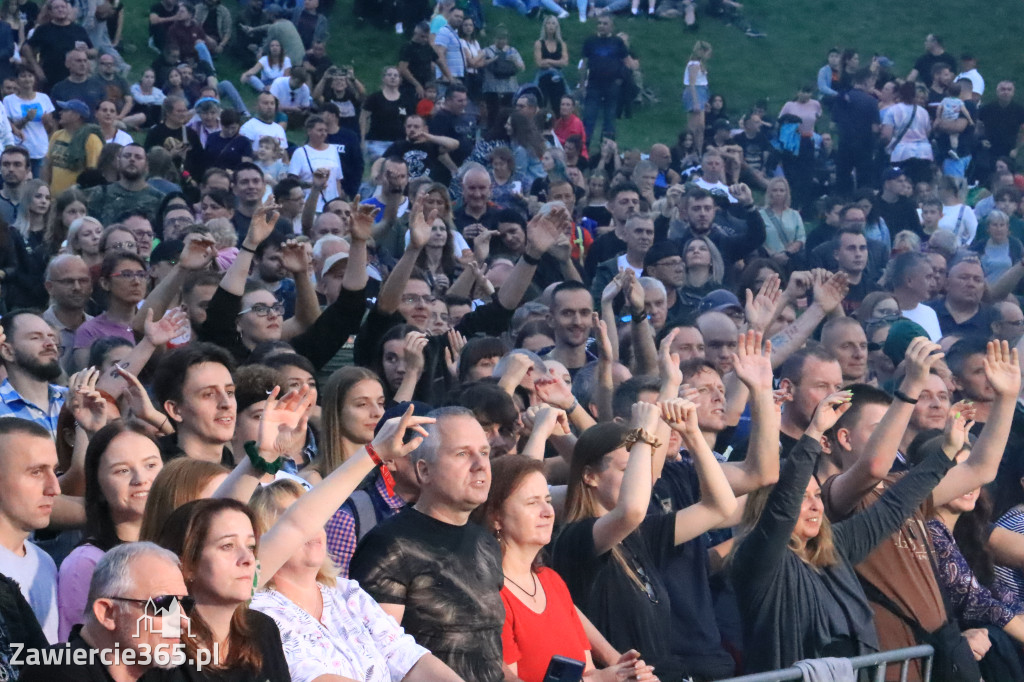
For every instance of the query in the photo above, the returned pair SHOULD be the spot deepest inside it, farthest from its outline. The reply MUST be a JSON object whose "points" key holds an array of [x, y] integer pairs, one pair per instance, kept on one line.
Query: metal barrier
{"points": [[877, 661]]}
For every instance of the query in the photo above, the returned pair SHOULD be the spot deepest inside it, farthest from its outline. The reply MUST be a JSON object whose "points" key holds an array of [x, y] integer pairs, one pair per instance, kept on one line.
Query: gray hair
{"points": [[538, 364], [523, 314], [427, 451], [113, 574], [898, 267], [996, 214], [318, 248], [653, 283]]}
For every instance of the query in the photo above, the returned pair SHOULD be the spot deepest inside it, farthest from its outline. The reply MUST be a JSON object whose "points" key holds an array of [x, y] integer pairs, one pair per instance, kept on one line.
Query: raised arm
{"points": [[197, 254], [753, 367], [307, 515], [850, 486], [635, 489], [717, 501], [419, 233], [262, 224], [307, 307], [542, 233], [645, 353], [1003, 373], [828, 294]]}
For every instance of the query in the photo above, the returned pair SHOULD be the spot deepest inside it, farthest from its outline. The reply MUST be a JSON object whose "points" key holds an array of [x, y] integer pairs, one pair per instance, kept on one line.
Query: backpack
{"points": [[504, 67]]}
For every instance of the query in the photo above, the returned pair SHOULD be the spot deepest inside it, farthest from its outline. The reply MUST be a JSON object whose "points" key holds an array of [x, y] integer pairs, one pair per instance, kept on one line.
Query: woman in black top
{"points": [[382, 120], [345, 90], [551, 55], [793, 571]]}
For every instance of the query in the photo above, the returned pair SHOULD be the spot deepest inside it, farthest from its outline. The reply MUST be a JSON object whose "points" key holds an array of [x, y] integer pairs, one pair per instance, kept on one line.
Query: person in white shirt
{"points": [[318, 157], [910, 275], [28, 463], [263, 125], [26, 109], [293, 95]]}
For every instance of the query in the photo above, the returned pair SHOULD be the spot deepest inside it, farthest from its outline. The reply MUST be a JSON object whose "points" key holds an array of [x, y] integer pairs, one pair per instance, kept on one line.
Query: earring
{"points": [[497, 534]]}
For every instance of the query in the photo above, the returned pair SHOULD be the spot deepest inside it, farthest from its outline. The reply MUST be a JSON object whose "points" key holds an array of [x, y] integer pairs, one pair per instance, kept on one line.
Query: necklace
{"points": [[522, 589]]}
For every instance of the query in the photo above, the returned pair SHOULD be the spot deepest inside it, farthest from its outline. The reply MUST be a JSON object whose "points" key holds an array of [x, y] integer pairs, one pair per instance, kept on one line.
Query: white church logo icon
{"points": [[170, 621]]}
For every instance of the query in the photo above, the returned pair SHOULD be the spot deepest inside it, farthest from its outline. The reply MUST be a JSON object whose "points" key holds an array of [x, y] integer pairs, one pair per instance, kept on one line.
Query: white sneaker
{"points": [[562, 15]]}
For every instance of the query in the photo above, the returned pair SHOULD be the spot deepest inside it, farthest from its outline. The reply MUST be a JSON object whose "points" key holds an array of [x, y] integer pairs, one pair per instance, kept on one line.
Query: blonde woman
{"points": [[551, 55], [784, 228], [695, 91]]}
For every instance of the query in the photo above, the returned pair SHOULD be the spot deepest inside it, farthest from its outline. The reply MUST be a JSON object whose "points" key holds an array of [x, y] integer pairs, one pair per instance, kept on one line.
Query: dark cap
{"points": [[662, 250], [167, 250], [77, 106], [892, 173], [420, 409], [901, 333], [719, 301]]}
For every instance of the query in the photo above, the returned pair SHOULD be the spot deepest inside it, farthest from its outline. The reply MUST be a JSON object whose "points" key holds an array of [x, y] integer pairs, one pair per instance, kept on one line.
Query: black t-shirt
{"points": [[172, 140], [489, 219], [387, 117], [461, 128], [1002, 124], [420, 58], [695, 635], [51, 43], [755, 150], [900, 215], [927, 61], [608, 245], [627, 615], [263, 630], [448, 578], [604, 55], [422, 159], [857, 293], [159, 32]]}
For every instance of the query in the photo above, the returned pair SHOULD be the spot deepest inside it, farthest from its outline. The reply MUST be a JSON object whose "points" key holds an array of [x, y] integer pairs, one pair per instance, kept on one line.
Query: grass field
{"points": [[799, 34]]}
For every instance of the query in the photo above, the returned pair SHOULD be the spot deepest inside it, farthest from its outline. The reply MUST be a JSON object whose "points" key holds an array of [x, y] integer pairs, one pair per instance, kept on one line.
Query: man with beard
{"points": [[31, 356], [14, 169], [131, 191], [69, 286]]}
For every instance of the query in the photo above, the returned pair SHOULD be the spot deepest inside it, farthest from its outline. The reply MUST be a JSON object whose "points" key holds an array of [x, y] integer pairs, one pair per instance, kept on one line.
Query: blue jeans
{"points": [[602, 99], [228, 91], [204, 54]]}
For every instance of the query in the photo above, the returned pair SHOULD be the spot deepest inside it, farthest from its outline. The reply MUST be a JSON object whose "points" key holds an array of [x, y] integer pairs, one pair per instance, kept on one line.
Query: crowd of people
{"points": [[457, 389]]}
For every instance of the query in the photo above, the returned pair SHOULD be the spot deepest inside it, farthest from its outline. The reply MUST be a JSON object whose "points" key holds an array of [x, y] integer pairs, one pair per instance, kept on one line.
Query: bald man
{"points": [[661, 157]]}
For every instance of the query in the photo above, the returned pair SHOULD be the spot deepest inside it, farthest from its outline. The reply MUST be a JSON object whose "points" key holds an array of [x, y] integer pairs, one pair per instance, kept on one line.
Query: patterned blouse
{"points": [[1012, 578], [354, 638], [973, 604]]}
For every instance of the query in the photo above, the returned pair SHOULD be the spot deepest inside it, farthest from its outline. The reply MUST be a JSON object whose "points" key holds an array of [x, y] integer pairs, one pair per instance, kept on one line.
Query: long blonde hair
{"points": [[700, 51], [551, 18], [818, 552], [268, 503]]}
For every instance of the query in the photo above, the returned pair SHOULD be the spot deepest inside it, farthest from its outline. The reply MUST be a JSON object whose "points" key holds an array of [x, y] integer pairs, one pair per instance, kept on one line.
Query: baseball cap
{"points": [[719, 301], [77, 106], [331, 261], [892, 173], [901, 333], [167, 250]]}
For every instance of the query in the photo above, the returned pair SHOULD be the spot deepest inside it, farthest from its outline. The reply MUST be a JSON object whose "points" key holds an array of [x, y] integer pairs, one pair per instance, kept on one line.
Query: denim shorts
{"points": [[702, 98]]}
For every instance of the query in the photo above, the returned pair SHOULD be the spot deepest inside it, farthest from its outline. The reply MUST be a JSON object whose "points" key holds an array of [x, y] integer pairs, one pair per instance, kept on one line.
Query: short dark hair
{"points": [[10, 426], [15, 149], [622, 187], [695, 366], [456, 87], [862, 395], [488, 402], [111, 260], [957, 356], [568, 285], [274, 241], [171, 373], [793, 367], [284, 187], [510, 215], [245, 166], [282, 360], [254, 383], [628, 392], [477, 349], [230, 117]]}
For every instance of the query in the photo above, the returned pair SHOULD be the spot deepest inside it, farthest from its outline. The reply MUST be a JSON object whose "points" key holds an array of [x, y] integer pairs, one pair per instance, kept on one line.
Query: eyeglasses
{"points": [[175, 222], [142, 236], [122, 246], [161, 602], [414, 299], [140, 275], [72, 281], [263, 310]]}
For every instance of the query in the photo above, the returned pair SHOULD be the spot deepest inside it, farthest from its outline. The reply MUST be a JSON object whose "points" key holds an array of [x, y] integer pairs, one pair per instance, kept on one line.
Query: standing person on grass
{"points": [[695, 91]]}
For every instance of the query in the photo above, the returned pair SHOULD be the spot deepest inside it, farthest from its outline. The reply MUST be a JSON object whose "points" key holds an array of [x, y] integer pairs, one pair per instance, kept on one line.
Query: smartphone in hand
{"points": [[563, 669]]}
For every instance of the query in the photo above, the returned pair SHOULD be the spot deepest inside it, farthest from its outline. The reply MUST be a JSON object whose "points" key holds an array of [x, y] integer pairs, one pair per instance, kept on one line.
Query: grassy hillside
{"points": [[799, 33]]}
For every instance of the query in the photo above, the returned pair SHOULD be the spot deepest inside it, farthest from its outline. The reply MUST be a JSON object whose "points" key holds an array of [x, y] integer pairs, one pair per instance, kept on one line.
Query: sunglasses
{"points": [[163, 602]]}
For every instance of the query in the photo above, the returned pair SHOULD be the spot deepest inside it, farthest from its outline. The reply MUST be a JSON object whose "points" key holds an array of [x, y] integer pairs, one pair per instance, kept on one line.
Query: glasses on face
{"points": [[122, 246], [415, 299], [161, 602], [177, 222], [72, 281], [127, 275], [143, 236], [263, 310]]}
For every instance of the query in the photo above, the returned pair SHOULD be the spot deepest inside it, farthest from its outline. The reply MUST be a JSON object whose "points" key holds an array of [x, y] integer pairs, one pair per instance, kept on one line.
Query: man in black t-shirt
{"points": [[172, 134], [422, 151], [451, 120], [79, 84], [934, 54], [416, 61], [895, 206], [756, 146], [431, 569], [49, 45], [161, 15], [1002, 120], [604, 58]]}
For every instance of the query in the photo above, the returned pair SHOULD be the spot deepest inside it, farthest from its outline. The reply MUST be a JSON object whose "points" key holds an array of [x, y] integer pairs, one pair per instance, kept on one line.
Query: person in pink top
{"points": [[568, 123], [805, 108]]}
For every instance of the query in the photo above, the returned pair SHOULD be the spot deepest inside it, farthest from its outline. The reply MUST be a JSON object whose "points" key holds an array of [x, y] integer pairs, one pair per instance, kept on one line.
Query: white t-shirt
{"points": [[254, 129], [272, 72], [926, 317], [282, 90], [305, 160], [37, 575], [34, 137], [961, 221], [623, 264], [121, 137]]}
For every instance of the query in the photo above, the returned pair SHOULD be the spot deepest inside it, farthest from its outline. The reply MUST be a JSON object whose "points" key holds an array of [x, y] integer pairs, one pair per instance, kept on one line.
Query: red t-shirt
{"points": [[530, 639]]}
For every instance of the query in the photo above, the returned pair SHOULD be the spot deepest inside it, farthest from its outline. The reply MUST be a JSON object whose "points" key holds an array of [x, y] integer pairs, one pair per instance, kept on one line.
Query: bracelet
{"points": [[385, 473], [530, 260], [639, 435], [166, 422], [900, 395], [575, 404], [258, 463], [243, 247]]}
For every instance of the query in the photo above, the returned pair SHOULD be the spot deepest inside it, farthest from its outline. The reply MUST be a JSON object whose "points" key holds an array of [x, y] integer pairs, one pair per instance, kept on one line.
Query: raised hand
{"points": [[760, 309], [139, 403], [550, 420], [645, 416], [320, 178], [921, 357], [173, 324], [1002, 368], [830, 292], [452, 352], [412, 350], [262, 224], [752, 362], [612, 289], [543, 230], [198, 252], [604, 342], [282, 431], [681, 415], [363, 218], [88, 406], [799, 284], [553, 391], [389, 441], [419, 225], [294, 258], [668, 362], [959, 421], [741, 192], [634, 292], [828, 412]]}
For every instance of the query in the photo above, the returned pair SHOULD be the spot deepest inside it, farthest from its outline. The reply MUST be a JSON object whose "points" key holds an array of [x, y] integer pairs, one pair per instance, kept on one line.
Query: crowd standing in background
{"points": [[427, 378]]}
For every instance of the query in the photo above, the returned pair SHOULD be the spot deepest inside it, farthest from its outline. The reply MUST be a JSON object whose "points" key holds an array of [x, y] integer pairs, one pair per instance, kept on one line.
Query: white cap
{"points": [[331, 261]]}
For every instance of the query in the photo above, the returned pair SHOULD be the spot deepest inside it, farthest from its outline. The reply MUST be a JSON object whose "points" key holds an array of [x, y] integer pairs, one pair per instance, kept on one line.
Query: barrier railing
{"points": [[879, 662]]}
